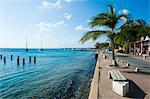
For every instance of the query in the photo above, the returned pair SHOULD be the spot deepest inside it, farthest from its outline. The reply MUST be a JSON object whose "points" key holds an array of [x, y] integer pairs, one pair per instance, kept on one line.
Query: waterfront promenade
{"points": [[139, 82]]}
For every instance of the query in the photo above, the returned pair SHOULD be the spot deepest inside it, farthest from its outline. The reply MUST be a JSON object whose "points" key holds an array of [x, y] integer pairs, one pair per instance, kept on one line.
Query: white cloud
{"points": [[67, 0], [60, 23], [47, 30], [67, 16], [81, 28], [47, 27], [123, 11], [87, 20], [48, 4]]}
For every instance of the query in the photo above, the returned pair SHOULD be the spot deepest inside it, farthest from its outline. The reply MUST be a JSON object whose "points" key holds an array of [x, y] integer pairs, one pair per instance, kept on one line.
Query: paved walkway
{"points": [[134, 61], [105, 85], [140, 57], [139, 83]]}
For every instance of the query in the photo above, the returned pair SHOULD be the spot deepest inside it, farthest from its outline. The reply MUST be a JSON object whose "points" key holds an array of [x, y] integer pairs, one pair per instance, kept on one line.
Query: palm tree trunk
{"points": [[113, 53]]}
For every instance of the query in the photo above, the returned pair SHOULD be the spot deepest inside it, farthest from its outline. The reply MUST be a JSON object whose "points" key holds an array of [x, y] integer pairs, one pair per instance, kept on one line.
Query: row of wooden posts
{"points": [[18, 59]]}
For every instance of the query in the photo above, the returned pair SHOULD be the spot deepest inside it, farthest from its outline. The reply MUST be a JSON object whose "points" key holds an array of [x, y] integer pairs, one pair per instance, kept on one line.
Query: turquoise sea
{"points": [[57, 74]]}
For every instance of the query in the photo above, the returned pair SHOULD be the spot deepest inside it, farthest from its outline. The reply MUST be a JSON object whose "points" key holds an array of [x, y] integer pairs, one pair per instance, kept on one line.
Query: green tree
{"points": [[98, 46], [101, 45], [132, 31], [109, 20]]}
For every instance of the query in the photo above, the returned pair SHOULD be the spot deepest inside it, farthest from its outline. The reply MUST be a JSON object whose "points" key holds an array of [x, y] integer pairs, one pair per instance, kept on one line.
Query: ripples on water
{"points": [[58, 74]]}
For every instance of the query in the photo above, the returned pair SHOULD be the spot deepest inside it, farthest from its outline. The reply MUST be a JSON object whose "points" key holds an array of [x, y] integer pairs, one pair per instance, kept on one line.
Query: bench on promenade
{"points": [[116, 75], [120, 85]]}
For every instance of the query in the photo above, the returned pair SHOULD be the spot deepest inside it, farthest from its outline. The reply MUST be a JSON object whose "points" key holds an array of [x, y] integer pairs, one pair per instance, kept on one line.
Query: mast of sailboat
{"points": [[41, 46], [26, 46]]}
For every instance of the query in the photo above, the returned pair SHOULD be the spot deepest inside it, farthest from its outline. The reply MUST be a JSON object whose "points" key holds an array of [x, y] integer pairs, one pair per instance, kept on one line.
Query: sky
{"points": [[58, 23]]}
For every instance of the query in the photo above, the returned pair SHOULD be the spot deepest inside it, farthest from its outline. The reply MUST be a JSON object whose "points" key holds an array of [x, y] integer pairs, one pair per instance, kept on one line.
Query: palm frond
{"points": [[100, 19], [122, 26], [140, 22], [112, 10], [93, 35], [125, 18]]}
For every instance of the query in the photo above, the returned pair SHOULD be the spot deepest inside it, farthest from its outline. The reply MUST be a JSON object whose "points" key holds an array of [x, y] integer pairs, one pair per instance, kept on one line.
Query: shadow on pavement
{"points": [[135, 91]]}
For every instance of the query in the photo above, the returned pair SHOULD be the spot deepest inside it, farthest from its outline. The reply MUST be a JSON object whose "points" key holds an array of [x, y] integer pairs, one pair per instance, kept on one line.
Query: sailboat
{"points": [[41, 49], [26, 47]]}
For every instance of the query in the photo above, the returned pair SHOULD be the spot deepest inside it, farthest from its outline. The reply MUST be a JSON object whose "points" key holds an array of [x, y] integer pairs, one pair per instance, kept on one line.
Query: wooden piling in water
{"points": [[34, 60], [1, 56], [4, 60], [18, 60], [23, 61], [30, 59], [11, 57]]}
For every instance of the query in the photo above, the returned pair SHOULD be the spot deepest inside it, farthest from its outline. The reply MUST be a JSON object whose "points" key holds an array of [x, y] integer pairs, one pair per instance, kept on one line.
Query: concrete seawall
{"points": [[94, 89]]}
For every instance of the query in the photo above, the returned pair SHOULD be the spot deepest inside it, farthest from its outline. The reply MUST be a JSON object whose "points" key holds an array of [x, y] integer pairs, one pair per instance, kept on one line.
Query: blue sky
{"points": [[57, 23]]}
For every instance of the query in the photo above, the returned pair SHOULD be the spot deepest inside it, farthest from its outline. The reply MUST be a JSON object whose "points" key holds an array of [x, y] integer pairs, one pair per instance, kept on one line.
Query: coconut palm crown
{"points": [[109, 20]]}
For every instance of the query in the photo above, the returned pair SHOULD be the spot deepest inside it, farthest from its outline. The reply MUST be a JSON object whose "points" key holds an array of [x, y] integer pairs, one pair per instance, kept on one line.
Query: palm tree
{"points": [[132, 31], [109, 20]]}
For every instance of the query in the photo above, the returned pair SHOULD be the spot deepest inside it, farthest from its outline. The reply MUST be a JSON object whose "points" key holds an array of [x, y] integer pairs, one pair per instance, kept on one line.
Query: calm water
{"points": [[57, 74]]}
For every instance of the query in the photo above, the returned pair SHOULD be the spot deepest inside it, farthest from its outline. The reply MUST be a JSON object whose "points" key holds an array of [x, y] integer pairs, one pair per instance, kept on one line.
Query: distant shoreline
{"points": [[82, 49]]}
